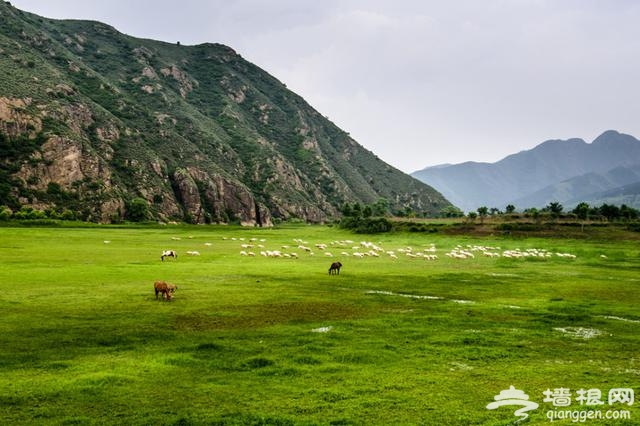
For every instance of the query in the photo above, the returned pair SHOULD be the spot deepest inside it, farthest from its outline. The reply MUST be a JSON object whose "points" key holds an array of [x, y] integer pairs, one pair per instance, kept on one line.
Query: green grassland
{"points": [[261, 340]]}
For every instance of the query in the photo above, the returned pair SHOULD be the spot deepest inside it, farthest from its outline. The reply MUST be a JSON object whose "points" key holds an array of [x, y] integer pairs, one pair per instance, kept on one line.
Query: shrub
{"points": [[5, 213], [137, 210], [366, 225]]}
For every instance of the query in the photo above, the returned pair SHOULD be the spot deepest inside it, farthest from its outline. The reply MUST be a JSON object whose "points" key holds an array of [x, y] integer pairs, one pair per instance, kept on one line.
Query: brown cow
{"points": [[335, 268], [164, 288]]}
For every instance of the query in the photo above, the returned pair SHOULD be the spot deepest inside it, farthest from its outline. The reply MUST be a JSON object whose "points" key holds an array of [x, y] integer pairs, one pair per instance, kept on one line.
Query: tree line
{"points": [[555, 210], [371, 218]]}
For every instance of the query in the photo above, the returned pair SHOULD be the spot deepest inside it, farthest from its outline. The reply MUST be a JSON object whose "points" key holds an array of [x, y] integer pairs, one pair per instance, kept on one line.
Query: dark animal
{"points": [[168, 253], [335, 268], [164, 288]]}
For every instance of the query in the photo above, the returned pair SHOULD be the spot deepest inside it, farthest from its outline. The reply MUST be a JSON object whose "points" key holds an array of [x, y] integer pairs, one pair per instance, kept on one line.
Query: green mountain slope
{"points": [[93, 120]]}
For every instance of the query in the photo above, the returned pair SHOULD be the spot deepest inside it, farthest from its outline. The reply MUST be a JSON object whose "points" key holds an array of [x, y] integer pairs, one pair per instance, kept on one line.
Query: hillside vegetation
{"points": [[93, 121]]}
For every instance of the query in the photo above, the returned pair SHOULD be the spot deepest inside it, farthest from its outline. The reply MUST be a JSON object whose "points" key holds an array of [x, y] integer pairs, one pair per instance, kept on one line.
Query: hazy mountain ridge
{"points": [[627, 194], [91, 119], [555, 170]]}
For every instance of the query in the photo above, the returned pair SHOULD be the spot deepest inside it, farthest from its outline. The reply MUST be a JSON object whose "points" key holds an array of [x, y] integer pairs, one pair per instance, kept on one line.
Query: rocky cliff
{"points": [[91, 119]]}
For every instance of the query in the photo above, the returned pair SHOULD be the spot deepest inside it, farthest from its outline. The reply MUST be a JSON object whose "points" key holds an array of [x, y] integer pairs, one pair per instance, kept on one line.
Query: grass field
{"points": [[262, 340]]}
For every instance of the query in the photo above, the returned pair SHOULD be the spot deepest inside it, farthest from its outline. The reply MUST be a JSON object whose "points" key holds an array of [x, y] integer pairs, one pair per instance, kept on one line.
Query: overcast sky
{"points": [[420, 82]]}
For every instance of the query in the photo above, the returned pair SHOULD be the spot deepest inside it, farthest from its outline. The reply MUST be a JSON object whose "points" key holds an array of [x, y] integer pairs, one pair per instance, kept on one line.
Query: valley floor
{"points": [[407, 333]]}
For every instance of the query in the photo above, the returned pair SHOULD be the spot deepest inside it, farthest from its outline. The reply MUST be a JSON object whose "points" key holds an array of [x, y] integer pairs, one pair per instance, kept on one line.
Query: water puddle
{"points": [[322, 329], [619, 319], [580, 332], [410, 296]]}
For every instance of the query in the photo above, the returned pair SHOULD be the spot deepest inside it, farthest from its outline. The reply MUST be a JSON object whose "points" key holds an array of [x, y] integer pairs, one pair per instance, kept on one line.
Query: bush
{"points": [[366, 225], [138, 210], [5, 213]]}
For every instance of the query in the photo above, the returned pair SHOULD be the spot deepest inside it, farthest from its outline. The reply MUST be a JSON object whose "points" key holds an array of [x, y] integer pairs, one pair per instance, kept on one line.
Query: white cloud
{"points": [[422, 82]]}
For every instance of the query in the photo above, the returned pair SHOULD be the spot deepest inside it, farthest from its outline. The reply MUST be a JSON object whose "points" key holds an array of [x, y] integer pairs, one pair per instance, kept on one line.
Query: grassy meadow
{"points": [[278, 341]]}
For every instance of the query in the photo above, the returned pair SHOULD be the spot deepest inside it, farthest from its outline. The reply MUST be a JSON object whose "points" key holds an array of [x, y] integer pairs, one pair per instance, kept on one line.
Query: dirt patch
{"points": [[258, 316]]}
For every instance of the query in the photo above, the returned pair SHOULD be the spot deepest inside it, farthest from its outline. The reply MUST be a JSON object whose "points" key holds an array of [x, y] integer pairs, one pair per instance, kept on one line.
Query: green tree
{"points": [[24, 213], [356, 210], [610, 211], [408, 212], [451, 211], [582, 211], [5, 213], [483, 212], [380, 207], [510, 208], [346, 210], [628, 213], [68, 215], [137, 210], [555, 208]]}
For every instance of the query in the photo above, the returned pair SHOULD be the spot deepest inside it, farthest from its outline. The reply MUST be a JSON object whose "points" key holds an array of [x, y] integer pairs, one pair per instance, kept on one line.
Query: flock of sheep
{"points": [[347, 248]]}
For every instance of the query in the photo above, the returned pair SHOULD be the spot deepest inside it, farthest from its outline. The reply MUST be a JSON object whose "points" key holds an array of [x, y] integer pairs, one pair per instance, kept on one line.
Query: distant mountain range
{"points": [[565, 171]]}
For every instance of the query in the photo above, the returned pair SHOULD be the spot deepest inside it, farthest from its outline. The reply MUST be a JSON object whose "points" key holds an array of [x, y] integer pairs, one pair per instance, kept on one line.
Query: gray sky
{"points": [[420, 82]]}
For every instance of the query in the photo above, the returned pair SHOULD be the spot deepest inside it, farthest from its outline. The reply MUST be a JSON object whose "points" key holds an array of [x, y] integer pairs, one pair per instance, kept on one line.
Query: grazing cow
{"points": [[164, 288], [335, 268], [168, 253]]}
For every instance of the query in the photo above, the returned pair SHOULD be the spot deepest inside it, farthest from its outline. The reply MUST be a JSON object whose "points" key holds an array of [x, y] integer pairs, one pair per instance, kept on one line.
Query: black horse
{"points": [[335, 268]]}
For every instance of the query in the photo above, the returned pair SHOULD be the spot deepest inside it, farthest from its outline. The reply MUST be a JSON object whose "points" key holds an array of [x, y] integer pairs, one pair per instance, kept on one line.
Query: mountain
{"points": [[580, 188], [555, 170], [627, 194], [97, 122]]}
